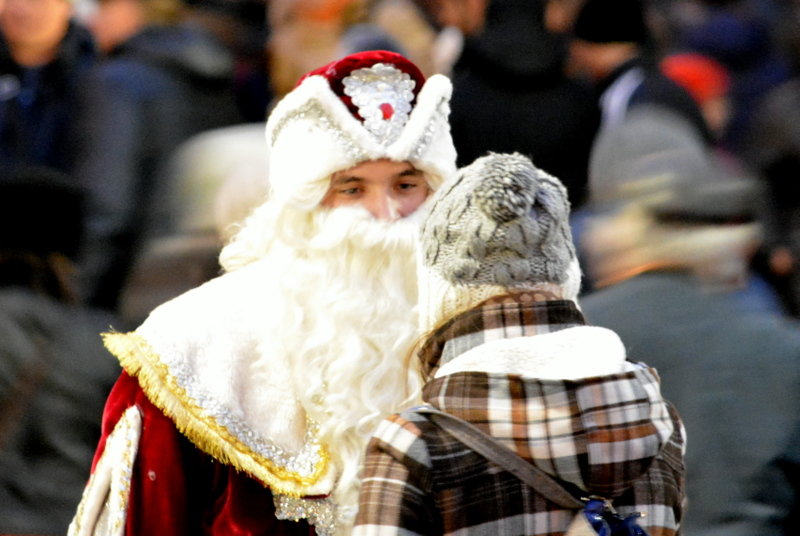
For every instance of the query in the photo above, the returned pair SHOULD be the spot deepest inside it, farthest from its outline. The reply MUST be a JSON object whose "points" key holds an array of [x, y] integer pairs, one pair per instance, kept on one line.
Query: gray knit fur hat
{"points": [[499, 225]]}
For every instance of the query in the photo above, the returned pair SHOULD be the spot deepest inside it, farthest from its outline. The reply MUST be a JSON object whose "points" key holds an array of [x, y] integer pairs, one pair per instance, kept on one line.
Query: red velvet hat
{"points": [[337, 71]]}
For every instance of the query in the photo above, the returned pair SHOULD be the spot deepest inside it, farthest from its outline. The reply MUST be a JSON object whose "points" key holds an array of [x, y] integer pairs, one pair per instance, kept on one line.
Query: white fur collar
{"points": [[199, 358], [572, 353]]}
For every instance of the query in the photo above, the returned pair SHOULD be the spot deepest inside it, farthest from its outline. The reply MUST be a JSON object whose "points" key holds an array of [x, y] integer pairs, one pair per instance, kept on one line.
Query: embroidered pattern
{"points": [[315, 112], [210, 426], [383, 94], [104, 505], [439, 116], [319, 512]]}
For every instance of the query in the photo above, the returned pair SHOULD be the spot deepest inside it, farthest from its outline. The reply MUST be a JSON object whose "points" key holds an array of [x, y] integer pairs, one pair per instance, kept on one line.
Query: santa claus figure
{"points": [[245, 404]]}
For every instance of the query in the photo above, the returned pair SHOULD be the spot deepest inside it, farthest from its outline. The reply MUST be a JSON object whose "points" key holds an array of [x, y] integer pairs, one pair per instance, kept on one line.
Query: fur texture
{"points": [[311, 135], [569, 354], [360, 326]]}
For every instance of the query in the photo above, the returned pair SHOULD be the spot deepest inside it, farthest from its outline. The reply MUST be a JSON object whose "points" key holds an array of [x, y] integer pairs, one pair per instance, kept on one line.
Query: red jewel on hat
{"points": [[336, 71], [387, 110]]}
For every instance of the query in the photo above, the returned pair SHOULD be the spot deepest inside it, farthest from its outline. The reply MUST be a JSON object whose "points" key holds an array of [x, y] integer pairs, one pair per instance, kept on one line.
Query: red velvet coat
{"points": [[177, 489]]}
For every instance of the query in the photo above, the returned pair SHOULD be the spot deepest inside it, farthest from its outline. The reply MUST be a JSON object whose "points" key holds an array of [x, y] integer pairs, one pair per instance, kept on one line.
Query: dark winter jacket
{"points": [[54, 379], [37, 105], [162, 86], [510, 95], [734, 376]]}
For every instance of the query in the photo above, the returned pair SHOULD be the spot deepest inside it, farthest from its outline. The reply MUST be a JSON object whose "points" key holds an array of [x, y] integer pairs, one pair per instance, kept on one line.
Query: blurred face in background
{"points": [[469, 16], [115, 21], [34, 28], [560, 15]]}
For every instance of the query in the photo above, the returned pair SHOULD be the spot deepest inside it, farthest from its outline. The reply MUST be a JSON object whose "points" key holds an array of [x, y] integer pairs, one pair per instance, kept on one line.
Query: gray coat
{"points": [[54, 379], [733, 373]]}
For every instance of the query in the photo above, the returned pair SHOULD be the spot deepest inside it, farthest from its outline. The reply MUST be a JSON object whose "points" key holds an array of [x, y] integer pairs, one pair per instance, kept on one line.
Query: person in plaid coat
{"points": [[509, 351]]}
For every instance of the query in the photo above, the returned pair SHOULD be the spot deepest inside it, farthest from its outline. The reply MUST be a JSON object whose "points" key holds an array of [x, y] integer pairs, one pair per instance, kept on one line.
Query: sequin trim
{"points": [[383, 95], [119, 454], [208, 424], [442, 111], [319, 512], [315, 112]]}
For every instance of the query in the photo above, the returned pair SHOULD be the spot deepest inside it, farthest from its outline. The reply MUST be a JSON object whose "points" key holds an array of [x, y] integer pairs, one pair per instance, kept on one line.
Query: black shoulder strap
{"points": [[494, 451]]}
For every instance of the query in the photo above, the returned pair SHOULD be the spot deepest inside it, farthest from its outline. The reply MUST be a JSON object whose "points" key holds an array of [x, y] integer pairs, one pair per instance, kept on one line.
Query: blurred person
{"points": [[364, 36], [303, 35], [452, 21], [406, 23], [773, 150], [306, 33], [641, 158], [776, 499], [511, 96], [162, 82], [54, 372], [241, 26], [246, 403], [733, 33], [659, 133], [559, 19], [508, 351], [363, 31], [613, 48], [560, 15], [467, 16], [651, 131], [43, 56], [670, 252], [214, 180]]}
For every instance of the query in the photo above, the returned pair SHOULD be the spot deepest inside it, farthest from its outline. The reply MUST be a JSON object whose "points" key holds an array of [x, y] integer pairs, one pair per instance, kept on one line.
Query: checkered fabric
{"points": [[611, 435], [500, 317]]}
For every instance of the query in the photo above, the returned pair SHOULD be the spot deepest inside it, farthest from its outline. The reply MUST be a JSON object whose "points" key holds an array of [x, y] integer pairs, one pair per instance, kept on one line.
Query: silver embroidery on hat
{"points": [[437, 120], [383, 94], [315, 112]]}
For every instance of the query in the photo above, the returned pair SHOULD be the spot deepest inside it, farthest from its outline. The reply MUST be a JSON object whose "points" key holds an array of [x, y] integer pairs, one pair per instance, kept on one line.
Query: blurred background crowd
{"points": [[131, 144]]}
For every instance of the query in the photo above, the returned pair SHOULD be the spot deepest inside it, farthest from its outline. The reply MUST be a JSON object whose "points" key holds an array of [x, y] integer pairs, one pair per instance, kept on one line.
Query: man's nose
{"points": [[384, 207]]}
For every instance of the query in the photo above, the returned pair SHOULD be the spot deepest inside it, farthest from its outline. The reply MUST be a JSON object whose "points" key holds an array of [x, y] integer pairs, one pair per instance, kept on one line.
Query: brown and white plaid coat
{"points": [[609, 435]]}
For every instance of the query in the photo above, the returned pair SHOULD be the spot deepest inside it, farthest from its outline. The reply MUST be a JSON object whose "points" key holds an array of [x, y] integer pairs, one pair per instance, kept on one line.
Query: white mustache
{"points": [[356, 226]]}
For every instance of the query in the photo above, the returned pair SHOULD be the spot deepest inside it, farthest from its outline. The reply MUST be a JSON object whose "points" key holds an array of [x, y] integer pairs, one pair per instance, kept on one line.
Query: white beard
{"points": [[346, 322]]}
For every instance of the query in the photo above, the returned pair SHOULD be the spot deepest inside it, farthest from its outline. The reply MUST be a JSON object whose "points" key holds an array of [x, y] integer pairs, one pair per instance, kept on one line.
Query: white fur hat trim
{"points": [[311, 134]]}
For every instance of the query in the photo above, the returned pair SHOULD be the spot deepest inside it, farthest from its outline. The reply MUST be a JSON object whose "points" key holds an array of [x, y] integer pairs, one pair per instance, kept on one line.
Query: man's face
{"points": [[35, 23], [388, 190]]}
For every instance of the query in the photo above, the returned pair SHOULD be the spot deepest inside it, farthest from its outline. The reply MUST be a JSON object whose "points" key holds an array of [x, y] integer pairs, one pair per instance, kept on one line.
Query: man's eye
{"points": [[350, 191], [407, 185]]}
